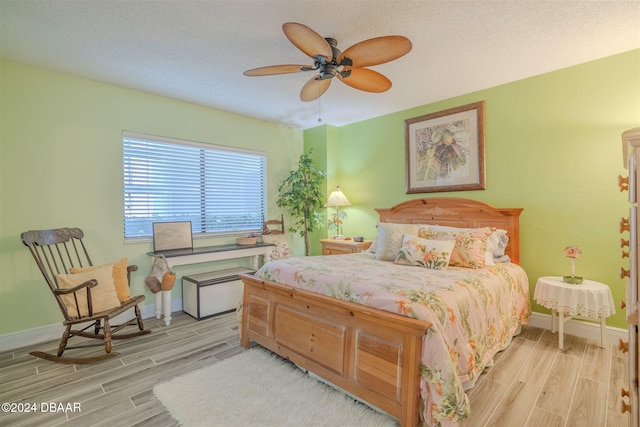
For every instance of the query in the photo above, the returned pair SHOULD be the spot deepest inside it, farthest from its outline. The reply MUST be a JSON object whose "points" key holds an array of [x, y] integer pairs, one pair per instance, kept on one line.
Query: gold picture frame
{"points": [[445, 150]]}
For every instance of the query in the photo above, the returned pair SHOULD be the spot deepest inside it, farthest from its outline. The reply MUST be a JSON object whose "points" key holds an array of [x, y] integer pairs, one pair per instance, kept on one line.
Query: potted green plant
{"points": [[301, 195]]}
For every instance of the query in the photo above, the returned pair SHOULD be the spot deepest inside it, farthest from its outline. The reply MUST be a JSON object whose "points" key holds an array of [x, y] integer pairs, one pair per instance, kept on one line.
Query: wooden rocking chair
{"points": [[60, 252]]}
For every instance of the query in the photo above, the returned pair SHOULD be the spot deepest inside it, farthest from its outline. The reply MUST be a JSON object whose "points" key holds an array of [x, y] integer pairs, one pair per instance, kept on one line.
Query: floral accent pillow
{"points": [[496, 243], [470, 250], [389, 240], [433, 254], [281, 248]]}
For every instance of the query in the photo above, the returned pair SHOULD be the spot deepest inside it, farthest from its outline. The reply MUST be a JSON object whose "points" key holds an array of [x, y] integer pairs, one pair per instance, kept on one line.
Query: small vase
{"points": [[573, 279]]}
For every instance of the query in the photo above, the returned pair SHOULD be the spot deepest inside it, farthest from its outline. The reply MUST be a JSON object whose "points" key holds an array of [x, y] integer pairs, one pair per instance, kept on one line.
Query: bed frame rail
{"points": [[372, 354]]}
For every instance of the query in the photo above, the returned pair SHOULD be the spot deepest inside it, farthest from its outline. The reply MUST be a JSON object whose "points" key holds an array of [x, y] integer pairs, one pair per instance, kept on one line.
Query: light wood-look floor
{"points": [[532, 383]]}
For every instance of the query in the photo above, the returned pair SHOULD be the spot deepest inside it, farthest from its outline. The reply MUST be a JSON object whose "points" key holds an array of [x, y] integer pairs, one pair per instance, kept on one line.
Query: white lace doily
{"points": [[589, 299]]}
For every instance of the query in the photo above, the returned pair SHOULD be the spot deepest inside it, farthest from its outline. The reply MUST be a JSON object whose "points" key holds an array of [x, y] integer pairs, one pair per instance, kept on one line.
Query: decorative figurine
{"points": [[573, 252]]}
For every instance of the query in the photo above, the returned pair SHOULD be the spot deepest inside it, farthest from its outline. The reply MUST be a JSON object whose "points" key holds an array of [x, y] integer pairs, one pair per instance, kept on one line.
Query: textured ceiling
{"points": [[196, 51]]}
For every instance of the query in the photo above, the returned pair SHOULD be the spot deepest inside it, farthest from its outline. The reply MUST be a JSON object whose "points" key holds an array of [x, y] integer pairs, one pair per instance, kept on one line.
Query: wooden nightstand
{"points": [[336, 247]]}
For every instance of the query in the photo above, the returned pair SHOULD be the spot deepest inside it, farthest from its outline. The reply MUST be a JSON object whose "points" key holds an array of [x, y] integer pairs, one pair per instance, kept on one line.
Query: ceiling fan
{"points": [[329, 61]]}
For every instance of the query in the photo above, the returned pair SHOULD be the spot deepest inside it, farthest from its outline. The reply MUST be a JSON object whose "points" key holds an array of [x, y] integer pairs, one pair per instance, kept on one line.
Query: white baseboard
{"points": [[581, 328], [590, 330], [14, 340]]}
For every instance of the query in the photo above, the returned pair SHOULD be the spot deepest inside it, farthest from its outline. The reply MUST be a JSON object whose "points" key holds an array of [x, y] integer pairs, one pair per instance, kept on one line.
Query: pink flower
{"points": [[573, 251]]}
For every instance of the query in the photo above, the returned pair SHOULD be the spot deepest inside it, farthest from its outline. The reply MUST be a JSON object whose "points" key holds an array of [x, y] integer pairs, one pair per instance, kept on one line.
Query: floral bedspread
{"points": [[474, 313]]}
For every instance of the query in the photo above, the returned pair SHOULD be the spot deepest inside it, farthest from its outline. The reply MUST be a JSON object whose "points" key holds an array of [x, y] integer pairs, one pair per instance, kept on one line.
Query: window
{"points": [[221, 190]]}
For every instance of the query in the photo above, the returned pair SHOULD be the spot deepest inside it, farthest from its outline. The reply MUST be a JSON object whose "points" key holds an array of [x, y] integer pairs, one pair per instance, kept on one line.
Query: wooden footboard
{"points": [[372, 354]]}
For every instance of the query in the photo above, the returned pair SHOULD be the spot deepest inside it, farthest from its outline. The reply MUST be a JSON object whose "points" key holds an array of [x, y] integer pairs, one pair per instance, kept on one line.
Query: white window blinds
{"points": [[221, 190]]}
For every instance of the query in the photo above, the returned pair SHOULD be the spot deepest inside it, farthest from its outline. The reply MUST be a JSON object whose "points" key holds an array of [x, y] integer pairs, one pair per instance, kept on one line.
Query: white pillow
{"points": [[389, 240], [497, 243], [374, 245], [433, 254]]}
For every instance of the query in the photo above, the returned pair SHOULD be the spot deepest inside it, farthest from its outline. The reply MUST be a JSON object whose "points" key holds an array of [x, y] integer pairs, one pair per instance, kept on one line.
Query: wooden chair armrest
{"points": [[135, 299], [130, 269], [92, 283]]}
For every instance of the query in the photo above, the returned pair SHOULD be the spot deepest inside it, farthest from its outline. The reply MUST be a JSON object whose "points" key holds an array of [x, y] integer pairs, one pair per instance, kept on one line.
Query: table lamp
{"points": [[337, 199]]}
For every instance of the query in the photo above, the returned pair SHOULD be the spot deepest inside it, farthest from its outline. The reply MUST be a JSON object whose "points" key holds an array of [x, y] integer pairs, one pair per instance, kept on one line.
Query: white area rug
{"points": [[256, 388]]}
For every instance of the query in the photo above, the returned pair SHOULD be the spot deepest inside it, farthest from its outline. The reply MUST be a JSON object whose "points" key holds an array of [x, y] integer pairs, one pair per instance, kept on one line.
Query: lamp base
{"points": [[337, 237]]}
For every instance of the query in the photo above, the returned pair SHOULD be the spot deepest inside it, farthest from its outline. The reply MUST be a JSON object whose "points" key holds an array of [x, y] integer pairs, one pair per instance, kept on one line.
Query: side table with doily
{"points": [[589, 300]]}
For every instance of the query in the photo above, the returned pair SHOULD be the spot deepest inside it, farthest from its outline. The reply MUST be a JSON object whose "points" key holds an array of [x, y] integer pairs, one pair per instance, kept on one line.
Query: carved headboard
{"points": [[458, 212]]}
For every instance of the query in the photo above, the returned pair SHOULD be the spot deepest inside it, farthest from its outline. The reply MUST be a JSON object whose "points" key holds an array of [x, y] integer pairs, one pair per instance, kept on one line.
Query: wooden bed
{"points": [[370, 353]]}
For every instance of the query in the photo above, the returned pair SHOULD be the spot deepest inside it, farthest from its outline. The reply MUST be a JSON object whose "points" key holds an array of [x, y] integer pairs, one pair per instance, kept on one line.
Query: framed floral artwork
{"points": [[445, 150]]}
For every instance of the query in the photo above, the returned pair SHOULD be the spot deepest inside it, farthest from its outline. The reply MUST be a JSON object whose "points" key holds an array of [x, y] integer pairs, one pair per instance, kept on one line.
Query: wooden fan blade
{"points": [[367, 80], [377, 51], [276, 69], [314, 89], [307, 40]]}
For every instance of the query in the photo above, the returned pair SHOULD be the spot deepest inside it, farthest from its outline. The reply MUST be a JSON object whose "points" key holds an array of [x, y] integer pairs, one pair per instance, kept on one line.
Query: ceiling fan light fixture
{"points": [[330, 61], [328, 71]]}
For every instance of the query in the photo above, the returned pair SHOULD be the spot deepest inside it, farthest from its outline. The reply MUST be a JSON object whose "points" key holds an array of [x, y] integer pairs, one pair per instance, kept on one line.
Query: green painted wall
{"points": [[552, 147], [61, 165]]}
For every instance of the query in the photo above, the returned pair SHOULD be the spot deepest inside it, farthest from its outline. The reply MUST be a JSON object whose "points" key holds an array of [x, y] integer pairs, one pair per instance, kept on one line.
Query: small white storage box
{"points": [[207, 294]]}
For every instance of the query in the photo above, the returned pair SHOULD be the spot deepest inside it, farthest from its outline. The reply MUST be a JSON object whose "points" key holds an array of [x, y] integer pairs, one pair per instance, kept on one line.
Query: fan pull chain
{"points": [[319, 108]]}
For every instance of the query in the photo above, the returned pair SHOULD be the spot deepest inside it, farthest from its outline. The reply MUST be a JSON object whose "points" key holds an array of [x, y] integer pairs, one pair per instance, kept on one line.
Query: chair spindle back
{"points": [[56, 251]]}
